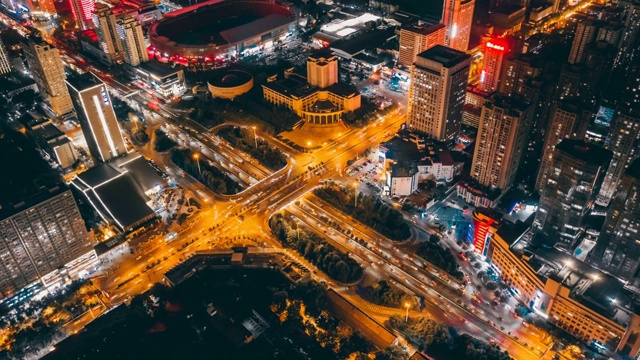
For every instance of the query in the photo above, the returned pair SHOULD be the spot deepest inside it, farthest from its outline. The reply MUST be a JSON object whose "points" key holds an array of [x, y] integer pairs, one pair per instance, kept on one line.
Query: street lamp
{"points": [[407, 306], [255, 137], [308, 143], [197, 157]]}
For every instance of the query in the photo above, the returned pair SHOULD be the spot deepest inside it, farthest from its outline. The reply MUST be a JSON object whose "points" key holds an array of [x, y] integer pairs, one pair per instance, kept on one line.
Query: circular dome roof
{"points": [[230, 78]]}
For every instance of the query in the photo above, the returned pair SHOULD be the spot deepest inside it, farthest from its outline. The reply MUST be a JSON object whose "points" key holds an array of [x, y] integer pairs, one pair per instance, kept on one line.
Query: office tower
{"points": [[97, 118], [568, 120], [573, 180], [502, 137], [437, 92], [623, 142], [48, 72], [135, 49], [82, 12], [494, 53], [515, 73], [41, 229], [416, 39], [104, 21], [457, 16], [585, 34], [5, 66], [629, 50], [618, 250]]}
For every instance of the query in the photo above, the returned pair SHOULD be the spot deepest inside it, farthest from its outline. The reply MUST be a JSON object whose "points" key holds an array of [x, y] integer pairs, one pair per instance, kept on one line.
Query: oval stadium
{"points": [[218, 30]]}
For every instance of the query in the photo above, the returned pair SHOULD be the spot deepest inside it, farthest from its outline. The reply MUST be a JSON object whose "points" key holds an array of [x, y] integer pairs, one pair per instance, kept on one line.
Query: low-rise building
{"points": [[409, 160], [164, 80]]}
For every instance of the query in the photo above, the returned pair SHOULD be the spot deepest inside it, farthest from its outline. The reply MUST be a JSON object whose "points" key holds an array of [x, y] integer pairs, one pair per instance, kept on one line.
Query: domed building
{"points": [[228, 84]]}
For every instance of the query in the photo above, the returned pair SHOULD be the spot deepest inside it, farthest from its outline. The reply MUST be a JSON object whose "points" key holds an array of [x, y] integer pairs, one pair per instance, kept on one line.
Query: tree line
{"points": [[162, 141], [382, 293], [210, 176], [434, 253], [339, 266], [370, 210], [243, 140], [441, 342]]}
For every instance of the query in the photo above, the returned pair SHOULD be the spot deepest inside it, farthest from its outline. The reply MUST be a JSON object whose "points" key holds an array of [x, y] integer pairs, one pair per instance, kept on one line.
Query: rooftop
{"points": [[424, 30], [634, 169], [23, 185], [589, 153], [84, 81], [368, 40], [157, 68], [446, 56]]}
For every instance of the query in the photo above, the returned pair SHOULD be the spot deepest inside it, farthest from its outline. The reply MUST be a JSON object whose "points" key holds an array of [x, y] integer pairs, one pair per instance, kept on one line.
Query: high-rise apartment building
{"points": [[97, 118], [457, 16], [585, 34], [47, 70], [133, 44], [618, 250], [416, 39], [437, 92], [495, 51], [623, 142], [82, 12], [41, 229], [5, 66], [502, 137], [629, 50], [515, 73], [322, 69], [104, 20], [573, 180], [568, 120]]}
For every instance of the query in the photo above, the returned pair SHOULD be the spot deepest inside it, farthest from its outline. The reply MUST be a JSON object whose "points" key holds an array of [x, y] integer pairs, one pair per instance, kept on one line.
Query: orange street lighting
{"points": [[407, 306], [255, 137], [308, 143], [197, 157]]}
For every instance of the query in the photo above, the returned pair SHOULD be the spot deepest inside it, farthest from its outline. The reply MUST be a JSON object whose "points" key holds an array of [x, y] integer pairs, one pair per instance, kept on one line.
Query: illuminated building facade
{"points": [[457, 16], [585, 34], [322, 70], [48, 72], [618, 251], [97, 118], [437, 92], [622, 141], [132, 38], [502, 137], [494, 53], [568, 120], [5, 66], [82, 13], [483, 225], [416, 39], [573, 180], [104, 20]]}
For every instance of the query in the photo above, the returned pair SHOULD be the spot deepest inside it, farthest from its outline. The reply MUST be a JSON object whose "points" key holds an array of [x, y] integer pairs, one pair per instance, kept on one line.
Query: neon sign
{"points": [[494, 46]]}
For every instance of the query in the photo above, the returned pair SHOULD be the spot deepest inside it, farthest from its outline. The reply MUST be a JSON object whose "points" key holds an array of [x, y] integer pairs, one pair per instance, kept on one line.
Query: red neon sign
{"points": [[494, 46]]}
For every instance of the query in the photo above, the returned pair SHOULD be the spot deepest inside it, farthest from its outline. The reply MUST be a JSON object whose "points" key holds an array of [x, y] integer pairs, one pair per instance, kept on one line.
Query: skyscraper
{"points": [[457, 16], [437, 92], [618, 250], [134, 47], [104, 21], [573, 180], [97, 118], [629, 51], [48, 72], [82, 13], [585, 34], [494, 52], [416, 39], [568, 120], [623, 142], [5, 66], [502, 136], [41, 229], [516, 71]]}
